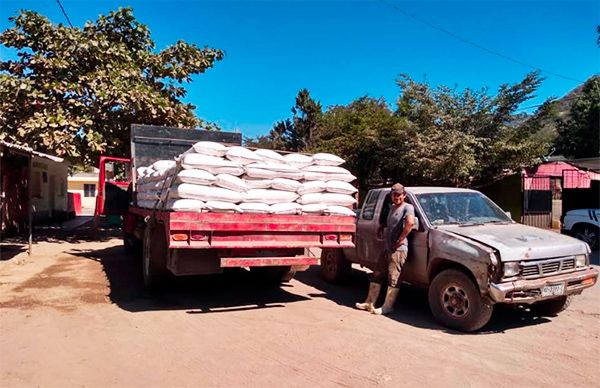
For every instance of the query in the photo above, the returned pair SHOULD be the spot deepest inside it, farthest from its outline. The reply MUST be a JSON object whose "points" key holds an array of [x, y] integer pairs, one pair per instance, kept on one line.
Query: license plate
{"points": [[553, 289]]}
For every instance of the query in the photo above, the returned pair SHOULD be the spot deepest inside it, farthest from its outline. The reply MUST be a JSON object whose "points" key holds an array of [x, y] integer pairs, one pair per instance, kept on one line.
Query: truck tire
{"points": [[334, 266], [587, 233], [455, 302], [155, 253], [551, 307]]}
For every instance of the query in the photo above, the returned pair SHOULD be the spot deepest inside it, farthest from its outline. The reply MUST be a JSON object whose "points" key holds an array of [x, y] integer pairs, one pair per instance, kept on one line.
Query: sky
{"points": [[343, 50]]}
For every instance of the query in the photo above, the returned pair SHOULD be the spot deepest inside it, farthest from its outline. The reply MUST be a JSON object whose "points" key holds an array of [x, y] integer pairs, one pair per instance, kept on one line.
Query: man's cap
{"points": [[398, 188]]}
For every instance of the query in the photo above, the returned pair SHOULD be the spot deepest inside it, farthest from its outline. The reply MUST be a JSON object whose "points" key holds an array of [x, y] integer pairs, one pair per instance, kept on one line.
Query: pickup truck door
{"points": [[415, 268], [368, 247]]}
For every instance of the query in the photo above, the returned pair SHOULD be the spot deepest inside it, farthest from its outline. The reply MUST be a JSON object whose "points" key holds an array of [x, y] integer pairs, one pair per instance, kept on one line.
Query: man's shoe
{"points": [[374, 289]]}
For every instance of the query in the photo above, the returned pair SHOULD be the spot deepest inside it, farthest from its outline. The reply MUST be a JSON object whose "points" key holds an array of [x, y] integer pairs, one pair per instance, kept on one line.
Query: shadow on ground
{"points": [[234, 290], [54, 233], [412, 306], [8, 251]]}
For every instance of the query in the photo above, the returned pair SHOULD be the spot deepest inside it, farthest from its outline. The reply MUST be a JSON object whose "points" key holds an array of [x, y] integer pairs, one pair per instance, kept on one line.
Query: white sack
{"points": [[141, 172], [254, 207], [270, 196], [286, 184], [272, 170], [235, 171], [258, 183], [210, 148], [341, 187], [270, 156], [310, 198], [314, 208], [298, 160], [325, 159], [186, 205], [162, 165], [150, 186], [337, 199], [320, 176], [241, 155], [201, 161], [206, 193], [285, 208], [231, 182], [312, 187], [198, 177], [219, 206], [340, 211]]}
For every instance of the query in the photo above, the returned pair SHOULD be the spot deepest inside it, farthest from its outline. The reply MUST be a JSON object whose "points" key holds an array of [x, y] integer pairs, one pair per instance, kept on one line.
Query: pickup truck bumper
{"points": [[530, 291]]}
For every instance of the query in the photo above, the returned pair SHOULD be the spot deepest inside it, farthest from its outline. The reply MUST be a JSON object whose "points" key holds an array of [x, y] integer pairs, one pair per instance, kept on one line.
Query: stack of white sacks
{"points": [[213, 177]]}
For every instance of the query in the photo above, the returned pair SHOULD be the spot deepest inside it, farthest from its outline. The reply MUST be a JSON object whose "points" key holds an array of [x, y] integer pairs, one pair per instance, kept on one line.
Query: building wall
{"points": [[49, 188], [88, 204]]}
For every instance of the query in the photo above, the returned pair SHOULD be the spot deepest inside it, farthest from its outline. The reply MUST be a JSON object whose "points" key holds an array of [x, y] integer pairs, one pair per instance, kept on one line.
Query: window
{"points": [[89, 190], [368, 210]]}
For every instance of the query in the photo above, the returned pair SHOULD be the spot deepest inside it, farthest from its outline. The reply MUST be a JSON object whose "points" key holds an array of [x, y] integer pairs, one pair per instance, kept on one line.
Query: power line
{"points": [[64, 13], [460, 38]]}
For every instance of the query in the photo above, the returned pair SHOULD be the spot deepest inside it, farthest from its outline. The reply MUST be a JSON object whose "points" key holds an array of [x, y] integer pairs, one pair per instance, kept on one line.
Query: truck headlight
{"points": [[581, 260], [511, 269]]}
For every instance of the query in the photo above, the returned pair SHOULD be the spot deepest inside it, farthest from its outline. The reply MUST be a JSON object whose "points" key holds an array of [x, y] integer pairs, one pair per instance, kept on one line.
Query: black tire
{"points": [[155, 252], [455, 302], [334, 266], [551, 307], [587, 233]]}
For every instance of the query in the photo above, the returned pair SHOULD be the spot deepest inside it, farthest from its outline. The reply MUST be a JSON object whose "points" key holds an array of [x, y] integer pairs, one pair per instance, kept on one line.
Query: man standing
{"points": [[400, 221]]}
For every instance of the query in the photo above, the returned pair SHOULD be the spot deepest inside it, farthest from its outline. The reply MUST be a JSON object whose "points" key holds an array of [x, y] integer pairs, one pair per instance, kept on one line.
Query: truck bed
{"points": [[208, 230]]}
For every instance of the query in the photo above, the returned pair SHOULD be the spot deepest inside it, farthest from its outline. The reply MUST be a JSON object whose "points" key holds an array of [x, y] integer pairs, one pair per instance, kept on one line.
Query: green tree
{"points": [[466, 137], [579, 130], [293, 134], [75, 91]]}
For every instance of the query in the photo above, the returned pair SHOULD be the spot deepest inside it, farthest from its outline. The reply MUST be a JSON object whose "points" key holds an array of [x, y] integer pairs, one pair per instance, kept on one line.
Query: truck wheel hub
{"points": [[455, 301]]}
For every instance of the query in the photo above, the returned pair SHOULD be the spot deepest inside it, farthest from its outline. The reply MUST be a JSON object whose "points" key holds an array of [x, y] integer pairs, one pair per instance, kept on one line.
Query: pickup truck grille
{"points": [[541, 268]]}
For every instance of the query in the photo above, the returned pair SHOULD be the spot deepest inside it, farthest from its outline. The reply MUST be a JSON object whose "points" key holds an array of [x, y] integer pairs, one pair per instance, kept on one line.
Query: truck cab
{"points": [[471, 255]]}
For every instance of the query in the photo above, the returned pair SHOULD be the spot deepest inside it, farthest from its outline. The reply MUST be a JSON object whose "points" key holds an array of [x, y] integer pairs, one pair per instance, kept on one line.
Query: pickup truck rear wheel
{"points": [[334, 266], [551, 307], [455, 302], [155, 253]]}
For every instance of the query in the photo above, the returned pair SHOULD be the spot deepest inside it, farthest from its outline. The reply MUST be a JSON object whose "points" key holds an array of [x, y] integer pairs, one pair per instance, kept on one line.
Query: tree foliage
{"points": [[579, 129], [293, 134], [435, 135], [75, 91]]}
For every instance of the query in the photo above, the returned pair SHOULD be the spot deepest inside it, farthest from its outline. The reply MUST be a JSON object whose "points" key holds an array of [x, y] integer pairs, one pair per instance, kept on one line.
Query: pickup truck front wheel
{"points": [[455, 302], [334, 266]]}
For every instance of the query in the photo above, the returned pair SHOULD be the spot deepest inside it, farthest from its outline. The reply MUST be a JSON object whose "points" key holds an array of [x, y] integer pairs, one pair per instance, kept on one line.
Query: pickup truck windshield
{"points": [[462, 208]]}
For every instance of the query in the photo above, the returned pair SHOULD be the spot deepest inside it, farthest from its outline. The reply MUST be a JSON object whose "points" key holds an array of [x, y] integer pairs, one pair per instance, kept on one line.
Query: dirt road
{"points": [[75, 315]]}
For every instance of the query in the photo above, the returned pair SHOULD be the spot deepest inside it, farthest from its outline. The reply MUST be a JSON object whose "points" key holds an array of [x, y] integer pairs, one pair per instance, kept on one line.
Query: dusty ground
{"points": [[75, 315]]}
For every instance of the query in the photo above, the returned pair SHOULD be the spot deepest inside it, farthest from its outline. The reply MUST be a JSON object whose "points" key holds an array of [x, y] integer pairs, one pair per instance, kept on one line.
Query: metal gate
{"points": [[537, 201]]}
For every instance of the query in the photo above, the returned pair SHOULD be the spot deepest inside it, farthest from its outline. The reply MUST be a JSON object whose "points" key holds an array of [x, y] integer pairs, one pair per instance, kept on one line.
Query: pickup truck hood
{"points": [[516, 242]]}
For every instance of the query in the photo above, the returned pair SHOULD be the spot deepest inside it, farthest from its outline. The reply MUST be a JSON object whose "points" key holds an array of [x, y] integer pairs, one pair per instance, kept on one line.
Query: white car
{"points": [[583, 224]]}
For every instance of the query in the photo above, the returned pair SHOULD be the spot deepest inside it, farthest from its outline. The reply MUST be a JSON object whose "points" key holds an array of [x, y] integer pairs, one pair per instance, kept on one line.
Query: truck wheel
{"points": [[587, 233], [334, 266], [551, 307], [456, 303], [155, 256]]}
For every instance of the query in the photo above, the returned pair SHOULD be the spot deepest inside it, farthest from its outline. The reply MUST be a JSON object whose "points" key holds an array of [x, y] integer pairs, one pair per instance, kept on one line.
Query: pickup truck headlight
{"points": [[581, 261], [511, 269]]}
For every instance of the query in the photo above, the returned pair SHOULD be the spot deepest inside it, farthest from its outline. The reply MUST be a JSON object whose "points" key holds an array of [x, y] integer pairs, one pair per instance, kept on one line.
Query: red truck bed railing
{"points": [[264, 231]]}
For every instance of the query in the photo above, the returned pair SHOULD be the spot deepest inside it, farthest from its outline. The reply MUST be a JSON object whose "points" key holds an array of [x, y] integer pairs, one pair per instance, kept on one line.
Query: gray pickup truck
{"points": [[471, 255]]}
